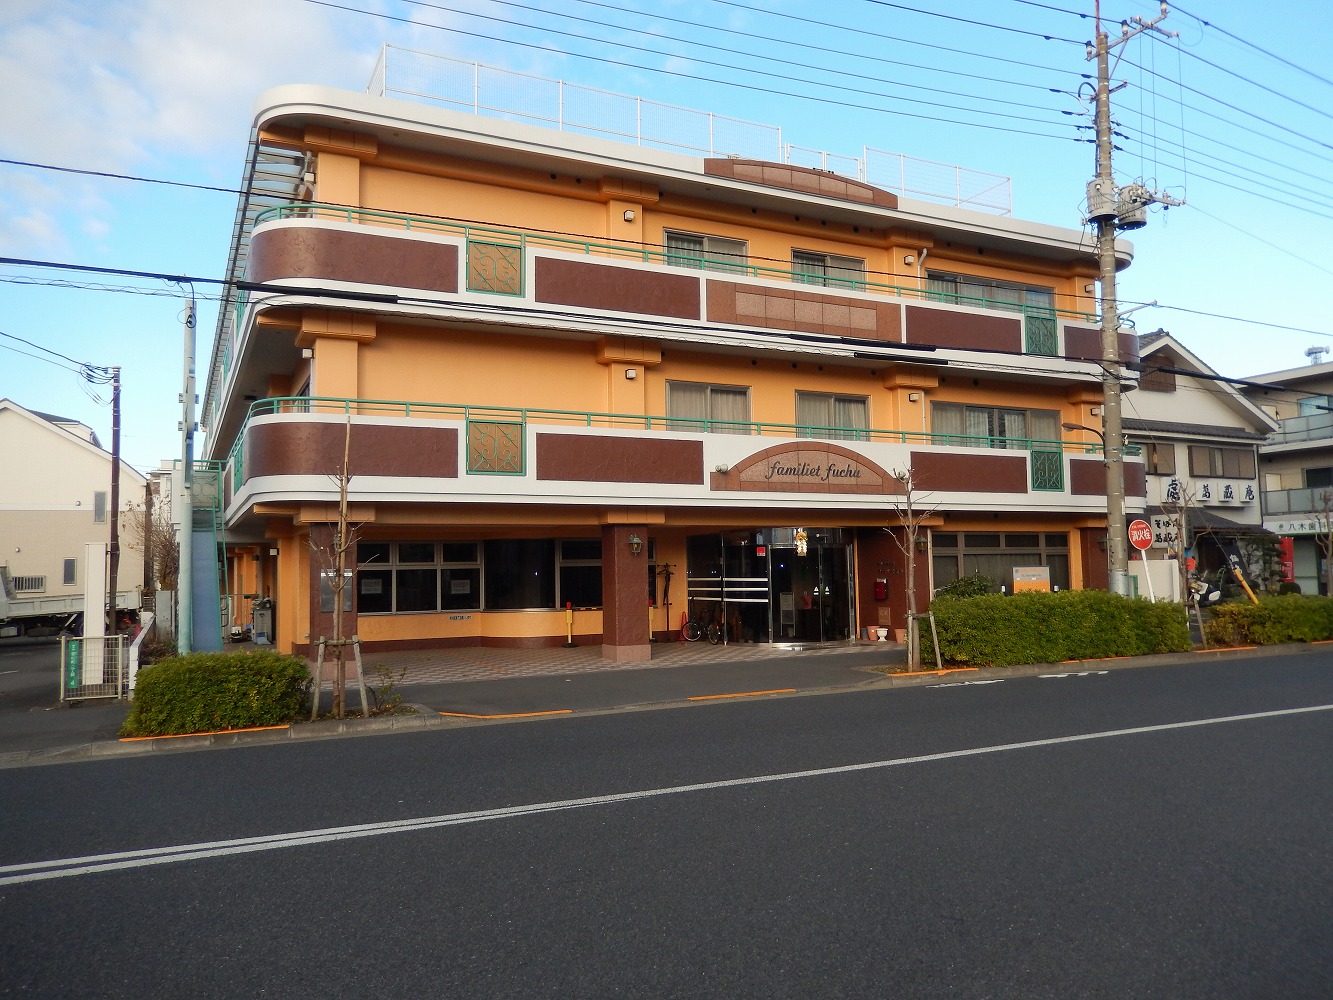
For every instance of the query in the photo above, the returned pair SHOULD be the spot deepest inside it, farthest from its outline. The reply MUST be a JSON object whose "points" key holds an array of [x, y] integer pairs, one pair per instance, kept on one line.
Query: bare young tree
{"points": [[911, 518], [155, 535], [334, 559], [1177, 503]]}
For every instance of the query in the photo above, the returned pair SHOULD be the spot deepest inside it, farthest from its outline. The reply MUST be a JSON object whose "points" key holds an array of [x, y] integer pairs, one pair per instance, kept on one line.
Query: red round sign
{"points": [[1140, 534]]}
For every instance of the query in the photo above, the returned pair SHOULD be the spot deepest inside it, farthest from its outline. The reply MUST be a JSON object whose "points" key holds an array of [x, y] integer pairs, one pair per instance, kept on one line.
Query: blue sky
{"points": [[1230, 117]]}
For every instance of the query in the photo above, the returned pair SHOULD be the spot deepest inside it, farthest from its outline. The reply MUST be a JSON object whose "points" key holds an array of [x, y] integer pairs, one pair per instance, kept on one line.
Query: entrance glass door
{"points": [[812, 594], [768, 593]]}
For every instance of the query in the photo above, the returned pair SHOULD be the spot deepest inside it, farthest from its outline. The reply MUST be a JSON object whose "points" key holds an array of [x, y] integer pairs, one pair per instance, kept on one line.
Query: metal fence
{"points": [[475, 88], [93, 667]]}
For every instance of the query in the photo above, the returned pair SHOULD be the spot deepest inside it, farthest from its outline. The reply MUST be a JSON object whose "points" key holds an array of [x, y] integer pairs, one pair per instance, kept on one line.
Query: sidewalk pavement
{"points": [[480, 686]]}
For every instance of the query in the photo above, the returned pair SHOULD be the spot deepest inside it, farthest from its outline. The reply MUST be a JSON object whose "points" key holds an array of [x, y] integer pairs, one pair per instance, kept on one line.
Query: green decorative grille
{"points": [[495, 447], [494, 267], [1048, 470], [1041, 333]]}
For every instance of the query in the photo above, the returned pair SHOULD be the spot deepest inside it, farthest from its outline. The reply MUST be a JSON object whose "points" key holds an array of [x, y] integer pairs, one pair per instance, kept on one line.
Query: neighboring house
{"points": [[54, 504], [1297, 467], [563, 366], [1200, 439]]}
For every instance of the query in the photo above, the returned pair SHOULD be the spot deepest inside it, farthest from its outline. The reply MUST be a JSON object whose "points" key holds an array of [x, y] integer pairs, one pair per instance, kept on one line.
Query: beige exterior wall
{"points": [[47, 502]]}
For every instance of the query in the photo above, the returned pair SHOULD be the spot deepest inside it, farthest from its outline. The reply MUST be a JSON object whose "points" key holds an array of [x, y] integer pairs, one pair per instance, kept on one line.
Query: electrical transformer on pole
{"points": [[1111, 209]]}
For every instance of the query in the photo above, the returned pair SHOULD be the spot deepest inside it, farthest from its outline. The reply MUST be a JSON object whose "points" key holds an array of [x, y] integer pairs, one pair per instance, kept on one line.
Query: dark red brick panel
{"points": [[593, 285], [338, 255], [308, 448], [1001, 473], [587, 458], [947, 328]]}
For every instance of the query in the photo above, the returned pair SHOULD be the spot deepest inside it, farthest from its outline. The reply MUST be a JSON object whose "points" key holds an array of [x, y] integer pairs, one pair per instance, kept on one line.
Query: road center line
{"points": [[36, 871]]}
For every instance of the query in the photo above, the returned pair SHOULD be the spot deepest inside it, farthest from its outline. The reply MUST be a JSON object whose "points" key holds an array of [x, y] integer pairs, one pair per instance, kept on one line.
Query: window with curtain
{"points": [[828, 269], [716, 409], [964, 289], [1160, 458], [820, 414], [709, 253], [994, 426], [1233, 463]]}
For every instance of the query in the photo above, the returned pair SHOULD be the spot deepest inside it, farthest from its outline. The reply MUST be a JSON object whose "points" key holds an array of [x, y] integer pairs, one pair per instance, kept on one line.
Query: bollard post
{"points": [[569, 625]]}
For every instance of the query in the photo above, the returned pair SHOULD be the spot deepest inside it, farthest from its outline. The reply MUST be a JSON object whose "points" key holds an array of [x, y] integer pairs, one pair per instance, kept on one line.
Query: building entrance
{"points": [[763, 588]]}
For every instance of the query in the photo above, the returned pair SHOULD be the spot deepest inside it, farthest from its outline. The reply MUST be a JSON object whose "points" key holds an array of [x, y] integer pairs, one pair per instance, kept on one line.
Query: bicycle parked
{"points": [[693, 630]]}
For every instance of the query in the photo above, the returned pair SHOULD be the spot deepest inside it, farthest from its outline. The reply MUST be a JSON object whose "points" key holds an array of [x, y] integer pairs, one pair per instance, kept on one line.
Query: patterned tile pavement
{"points": [[430, 666]]}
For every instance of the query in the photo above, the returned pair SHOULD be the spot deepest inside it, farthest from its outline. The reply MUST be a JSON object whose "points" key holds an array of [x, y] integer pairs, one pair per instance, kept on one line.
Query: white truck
{"points": [[39, 615]]}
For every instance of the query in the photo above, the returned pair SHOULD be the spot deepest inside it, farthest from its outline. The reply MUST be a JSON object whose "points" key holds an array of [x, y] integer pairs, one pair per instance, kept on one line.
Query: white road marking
{"points": [[36, 871], [959, 684], [1080, 673]]}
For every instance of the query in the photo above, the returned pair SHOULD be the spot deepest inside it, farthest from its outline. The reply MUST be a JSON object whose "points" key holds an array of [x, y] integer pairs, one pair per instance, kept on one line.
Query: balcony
{"points": [[1295, 430], [1306, 500], [449, 258], [435, 452]]}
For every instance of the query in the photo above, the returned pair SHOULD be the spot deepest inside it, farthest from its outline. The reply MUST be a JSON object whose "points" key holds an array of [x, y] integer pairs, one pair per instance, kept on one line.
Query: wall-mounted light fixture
{"points": [[914, 397], [635, 545], [629, 215], [307, 353], [910, 259], [631, 374], [1089, 288], [921, 543], [1101, 543]]}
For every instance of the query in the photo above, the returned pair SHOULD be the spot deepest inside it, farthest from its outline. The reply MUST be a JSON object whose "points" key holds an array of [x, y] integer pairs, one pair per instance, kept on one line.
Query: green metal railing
{"points": [[1041, 341], [507, 423]]}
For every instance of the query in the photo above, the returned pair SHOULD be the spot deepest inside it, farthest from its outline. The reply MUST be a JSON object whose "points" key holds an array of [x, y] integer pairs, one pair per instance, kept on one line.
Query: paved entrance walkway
{"points": [[476, 663]]}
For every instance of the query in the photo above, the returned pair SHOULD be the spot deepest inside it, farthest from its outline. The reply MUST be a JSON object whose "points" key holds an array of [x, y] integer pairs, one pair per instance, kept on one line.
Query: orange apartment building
{"points": [[578, 373]]}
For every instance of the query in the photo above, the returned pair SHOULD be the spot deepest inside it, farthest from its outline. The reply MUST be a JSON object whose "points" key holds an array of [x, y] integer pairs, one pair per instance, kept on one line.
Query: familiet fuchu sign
{"points": [[806, 468]]}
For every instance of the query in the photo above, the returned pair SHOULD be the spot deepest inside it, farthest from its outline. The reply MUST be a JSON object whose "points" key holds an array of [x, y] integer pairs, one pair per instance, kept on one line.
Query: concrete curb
{"points": [[427, 718], [422, 718]]}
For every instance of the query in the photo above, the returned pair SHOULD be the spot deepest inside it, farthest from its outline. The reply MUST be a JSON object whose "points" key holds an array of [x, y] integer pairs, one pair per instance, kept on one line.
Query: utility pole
{"points": [[113, 550], [1111, 208], [185, 577]]}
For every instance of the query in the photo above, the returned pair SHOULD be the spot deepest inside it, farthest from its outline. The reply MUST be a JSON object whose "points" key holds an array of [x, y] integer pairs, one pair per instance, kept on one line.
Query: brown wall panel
{"points": [[936, 471], [945, 328], [590, 459], [338, 255], [618, 289], [809, 312], [307, 448], [1084, 343], [1087, 478]]}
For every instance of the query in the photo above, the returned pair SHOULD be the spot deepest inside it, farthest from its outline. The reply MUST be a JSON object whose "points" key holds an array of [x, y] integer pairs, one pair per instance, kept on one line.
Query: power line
{"points": [[1246, 42], [120, 177], [979, 24], [707, 79], [752, 55], [424, 299], [91, 373]]}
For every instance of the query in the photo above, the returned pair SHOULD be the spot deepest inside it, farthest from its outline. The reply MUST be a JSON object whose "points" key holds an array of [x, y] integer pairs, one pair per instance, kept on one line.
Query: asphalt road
{"points": [[1155, 832]]}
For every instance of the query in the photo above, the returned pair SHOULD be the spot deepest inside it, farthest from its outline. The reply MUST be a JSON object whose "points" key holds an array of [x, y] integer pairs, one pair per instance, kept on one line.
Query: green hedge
{"points": [[1288, 618], [207, 692], [1001, 631]]}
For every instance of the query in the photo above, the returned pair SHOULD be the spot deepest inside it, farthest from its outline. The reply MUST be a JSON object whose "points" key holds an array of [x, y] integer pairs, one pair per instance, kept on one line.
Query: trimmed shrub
{"points": [[208, 692], [1288, 618], [975, 585], [1049, 628]]}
